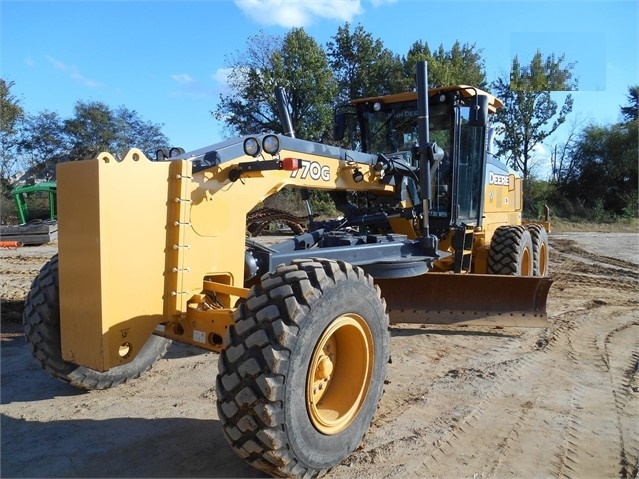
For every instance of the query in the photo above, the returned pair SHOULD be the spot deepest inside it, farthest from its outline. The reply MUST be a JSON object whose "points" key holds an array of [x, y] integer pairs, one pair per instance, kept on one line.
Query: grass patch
{"points": [[624, 225]]}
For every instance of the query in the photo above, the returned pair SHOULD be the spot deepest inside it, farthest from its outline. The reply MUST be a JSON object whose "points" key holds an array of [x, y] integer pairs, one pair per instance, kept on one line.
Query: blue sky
{"points": [[167, 59]]}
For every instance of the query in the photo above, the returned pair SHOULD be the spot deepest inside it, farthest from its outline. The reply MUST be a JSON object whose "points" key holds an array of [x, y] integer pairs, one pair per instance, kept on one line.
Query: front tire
{"points": [[41, 320], [303, 368]]}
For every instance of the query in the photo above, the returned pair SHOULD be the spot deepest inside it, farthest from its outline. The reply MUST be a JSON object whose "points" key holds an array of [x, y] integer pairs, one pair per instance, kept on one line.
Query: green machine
{"points": [[20, 197]]}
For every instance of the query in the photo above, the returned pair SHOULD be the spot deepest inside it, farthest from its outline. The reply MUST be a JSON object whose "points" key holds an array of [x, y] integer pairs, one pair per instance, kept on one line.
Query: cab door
{"points": [[470, 160]]}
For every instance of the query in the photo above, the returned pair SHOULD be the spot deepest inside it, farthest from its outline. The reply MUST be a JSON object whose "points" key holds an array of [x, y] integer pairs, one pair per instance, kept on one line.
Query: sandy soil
{"points": [[465, 402]]}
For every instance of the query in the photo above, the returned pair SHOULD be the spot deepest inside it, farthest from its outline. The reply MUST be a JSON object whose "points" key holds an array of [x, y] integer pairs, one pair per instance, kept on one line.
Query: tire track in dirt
{"points": [[597, 283], [623, 375], [577, 272], [516, 418], [444, 422], [569, 248], [598, 445], [445, 362], [584, 342], [582, 443], [531, 413], [605, 343]]}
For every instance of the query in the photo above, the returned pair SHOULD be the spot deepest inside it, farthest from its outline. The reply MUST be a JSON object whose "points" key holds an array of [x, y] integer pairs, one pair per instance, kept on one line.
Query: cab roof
{"points": [[465, 90]]}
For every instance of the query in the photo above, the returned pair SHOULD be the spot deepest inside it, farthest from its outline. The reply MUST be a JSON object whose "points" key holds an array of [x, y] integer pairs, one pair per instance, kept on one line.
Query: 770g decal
{"points": [[312, 169]]}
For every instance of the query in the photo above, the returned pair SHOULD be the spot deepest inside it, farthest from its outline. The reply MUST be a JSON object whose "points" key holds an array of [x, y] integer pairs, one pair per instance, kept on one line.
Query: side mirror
{"points": [[339, 126], [434, 152], [479, 111]]}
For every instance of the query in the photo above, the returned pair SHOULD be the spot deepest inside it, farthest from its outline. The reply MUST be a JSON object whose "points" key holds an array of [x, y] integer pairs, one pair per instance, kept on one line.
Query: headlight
{"points": [[271, 144], [252, 147]]}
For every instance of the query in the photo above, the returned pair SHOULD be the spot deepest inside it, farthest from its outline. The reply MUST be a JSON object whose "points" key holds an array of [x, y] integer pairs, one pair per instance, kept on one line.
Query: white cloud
{"points": [[221, 76], [540, 150], [30, 62], [183, 78], [190, 87], [72, 72], [57, 64], [541, 161], [298, 13], [379, 3]]}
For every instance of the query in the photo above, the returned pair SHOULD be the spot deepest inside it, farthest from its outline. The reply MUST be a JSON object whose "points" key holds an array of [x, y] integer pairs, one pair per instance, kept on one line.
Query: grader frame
{"points": [[157, 251]]}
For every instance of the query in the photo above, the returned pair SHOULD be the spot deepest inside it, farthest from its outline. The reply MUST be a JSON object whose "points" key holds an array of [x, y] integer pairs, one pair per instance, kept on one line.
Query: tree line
{"points": [[595, 173], [32, 144], [596, 168]]}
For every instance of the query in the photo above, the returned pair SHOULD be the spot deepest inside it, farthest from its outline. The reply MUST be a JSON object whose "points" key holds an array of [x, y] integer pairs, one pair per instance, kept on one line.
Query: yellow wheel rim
{"points": [[526, 263], [543, 254], [339, 374]]}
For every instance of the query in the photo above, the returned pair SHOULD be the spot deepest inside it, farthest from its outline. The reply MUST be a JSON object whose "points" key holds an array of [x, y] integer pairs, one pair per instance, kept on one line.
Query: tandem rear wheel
{"points": [[539, 237], [303, 367], [41, 320]]}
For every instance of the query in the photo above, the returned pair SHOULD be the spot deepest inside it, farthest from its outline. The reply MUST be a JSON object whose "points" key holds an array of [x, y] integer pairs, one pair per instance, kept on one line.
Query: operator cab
{"points": [[387, 125]]}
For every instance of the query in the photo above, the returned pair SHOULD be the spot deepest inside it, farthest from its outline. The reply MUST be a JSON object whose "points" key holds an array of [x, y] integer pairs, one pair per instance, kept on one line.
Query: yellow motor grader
{"points": [[156, 251]]}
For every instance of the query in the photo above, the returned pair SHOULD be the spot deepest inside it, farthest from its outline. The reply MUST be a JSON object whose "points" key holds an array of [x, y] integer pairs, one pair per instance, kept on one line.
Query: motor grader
{"points": [[430, 232]]}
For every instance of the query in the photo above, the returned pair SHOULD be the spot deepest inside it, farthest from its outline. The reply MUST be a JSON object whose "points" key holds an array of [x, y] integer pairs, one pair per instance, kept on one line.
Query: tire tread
{"points": [[276, 309], [41, 321]]}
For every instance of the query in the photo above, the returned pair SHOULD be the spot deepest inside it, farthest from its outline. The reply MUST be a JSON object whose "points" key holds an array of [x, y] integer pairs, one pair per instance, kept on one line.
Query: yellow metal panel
{"points": [[467, 91], [403, 226], [518, 194], [219, 207], [137, 238], [80, 280], [112, 237], [178, 227], [201, 326]]}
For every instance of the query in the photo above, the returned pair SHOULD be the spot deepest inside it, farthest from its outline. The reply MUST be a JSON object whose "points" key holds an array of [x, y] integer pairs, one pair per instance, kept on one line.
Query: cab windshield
{"points": [[394, 132], [394, 129]]}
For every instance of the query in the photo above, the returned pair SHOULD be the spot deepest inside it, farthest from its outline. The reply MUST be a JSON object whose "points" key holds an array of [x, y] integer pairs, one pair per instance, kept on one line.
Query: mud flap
{"points": [[467, 299]]}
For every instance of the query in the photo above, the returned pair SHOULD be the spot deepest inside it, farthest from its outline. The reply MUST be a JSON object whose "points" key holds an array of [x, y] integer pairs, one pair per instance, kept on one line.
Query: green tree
{"points": [[604, 172], [529, 114], [131, 131], [461, 65], [45, 143], [561, 159], [95, 127], [362, 65], [631, 112], [249, 105], [301, 67], [11, 117], [295, 62], [90, 130]]}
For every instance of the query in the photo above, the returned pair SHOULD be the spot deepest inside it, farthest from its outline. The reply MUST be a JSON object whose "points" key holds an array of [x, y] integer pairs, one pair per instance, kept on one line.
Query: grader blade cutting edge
{"points": [[467, 299]]}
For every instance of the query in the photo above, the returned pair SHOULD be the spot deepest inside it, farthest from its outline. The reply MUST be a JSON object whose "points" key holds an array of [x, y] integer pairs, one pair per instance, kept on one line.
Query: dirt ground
{"points": [[465, 402]]}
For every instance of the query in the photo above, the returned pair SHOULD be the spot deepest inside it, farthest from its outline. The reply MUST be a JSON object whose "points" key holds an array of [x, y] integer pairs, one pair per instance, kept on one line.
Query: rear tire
{"points": [[511, 252], [303, 368], [41, 320], [539, 238]]}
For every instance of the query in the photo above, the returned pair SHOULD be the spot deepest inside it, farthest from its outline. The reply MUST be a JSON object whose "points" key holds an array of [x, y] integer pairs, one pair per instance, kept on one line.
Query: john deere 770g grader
{"points": [[156, 251]]}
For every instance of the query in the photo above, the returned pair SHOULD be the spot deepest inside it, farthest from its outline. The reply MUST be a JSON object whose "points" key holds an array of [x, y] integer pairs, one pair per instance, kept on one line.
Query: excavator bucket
{"points": [[467, 299]]}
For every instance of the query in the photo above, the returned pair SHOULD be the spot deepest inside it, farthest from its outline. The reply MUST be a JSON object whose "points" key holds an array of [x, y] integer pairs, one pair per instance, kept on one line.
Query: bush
{"points": [[538, 193], [8, 213]]}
